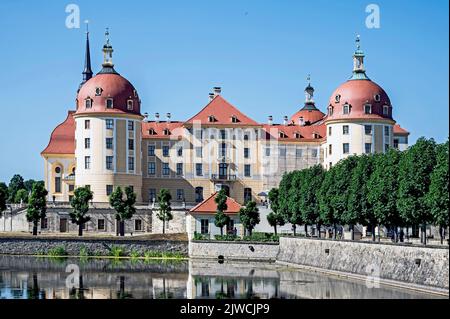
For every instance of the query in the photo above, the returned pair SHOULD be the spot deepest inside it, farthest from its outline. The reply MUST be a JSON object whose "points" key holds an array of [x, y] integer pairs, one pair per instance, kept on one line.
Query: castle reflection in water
{"points": [[43, 278]]}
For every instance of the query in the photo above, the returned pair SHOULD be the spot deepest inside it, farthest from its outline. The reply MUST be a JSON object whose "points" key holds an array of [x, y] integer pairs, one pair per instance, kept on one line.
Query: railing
{"points": [[219, 177]]}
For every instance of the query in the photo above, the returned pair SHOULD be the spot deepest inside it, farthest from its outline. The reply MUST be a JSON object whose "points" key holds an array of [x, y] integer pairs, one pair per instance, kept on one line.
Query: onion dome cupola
{"points": [[309, 113], [359, 97], [108, 91]]}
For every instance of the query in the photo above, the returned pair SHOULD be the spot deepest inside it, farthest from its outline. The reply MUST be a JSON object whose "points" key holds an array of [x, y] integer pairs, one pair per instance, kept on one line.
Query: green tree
{"points": [[124, 207], [165, 210], [5, 189], [294, 216], [15, 185], [415, 168], [437, 196], [21, 196], [221, 219], [275, 218], [37, 206], [326, 192], [28, 184], [80, 204], [309, 203], [283, 196], [382, 191], [249, 216], [358, 204], [3, 197]]}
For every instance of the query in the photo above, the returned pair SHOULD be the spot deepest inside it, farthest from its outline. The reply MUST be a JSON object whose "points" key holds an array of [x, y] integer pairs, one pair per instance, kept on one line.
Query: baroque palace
{"points": [[107, 142]]}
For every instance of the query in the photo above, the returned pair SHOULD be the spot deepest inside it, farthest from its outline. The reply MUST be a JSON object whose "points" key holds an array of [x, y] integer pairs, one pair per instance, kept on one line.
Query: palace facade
{"points": [[107, 142]]}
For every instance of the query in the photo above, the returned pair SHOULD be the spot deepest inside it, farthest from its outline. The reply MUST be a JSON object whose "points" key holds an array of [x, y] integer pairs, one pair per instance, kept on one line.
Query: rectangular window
{"points": [[282, 152], [345, 130], [368, 148], [198, 134], [101, 224], [180, 151], [165, 169], [385, 110], [152, 194], [198, 169], [130, 126], [151, 168], [109, 124], [387, 130], [87, 143], [109, 162], [267, 151], [109, 143], [223, 149], [329, 130], [247, 170], [367, 109], [109, 103], [386, 147], [246, 152], [87, 124], [71, 187], [346, 148], [131, 144], [165, 150], [44, 223], [223, 134], [247, 195], [314, 153], [368, 129], [298, 152], [131, 163], [330, 149], [396, 144], [138, 224], [57, 184], [346, 109], [180, 194], [204, 226], [87, 162], [88, 103], [179, 169], [198, 151], [130, 105], [109, 190], [151, 150], [88, 187]]}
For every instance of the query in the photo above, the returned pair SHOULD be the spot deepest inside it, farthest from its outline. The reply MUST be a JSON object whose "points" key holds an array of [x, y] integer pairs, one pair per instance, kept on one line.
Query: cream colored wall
{"points": [[66, 163]]}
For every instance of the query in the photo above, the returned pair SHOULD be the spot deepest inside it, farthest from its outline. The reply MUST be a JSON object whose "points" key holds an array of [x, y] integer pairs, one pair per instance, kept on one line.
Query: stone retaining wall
{"points": [[33, 246], [233, 250], [426, 266]]}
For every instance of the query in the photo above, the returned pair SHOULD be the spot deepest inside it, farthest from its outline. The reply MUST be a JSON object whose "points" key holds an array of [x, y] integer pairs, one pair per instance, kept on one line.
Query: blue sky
{"points": [[174, 52]]}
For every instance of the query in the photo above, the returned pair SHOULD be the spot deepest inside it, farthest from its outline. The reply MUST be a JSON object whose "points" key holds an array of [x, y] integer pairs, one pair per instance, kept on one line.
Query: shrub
{"points": [[198, 236], [116, 252], [84, 252], [57, 251], [135, 254]]}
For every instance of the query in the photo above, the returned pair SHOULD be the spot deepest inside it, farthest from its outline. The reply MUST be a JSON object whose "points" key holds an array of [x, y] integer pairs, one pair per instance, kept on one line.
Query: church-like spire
{"points": [[108, 65], [309, 92], [359, 72], [87, 72]]}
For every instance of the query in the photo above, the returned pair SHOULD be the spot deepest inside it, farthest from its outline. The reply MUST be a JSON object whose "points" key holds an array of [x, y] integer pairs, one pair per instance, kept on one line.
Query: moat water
{"points": [[46, 278]]}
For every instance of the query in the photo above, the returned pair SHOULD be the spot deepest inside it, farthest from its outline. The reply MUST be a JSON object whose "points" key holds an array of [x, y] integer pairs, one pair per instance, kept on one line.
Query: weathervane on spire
{"points": [[308, 78], [87, 26], [107, 35], [309, 91], [358, 42], [107, 55]]}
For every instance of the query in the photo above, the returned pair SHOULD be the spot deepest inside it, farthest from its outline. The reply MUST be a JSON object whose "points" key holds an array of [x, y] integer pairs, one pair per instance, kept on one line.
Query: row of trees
{"points": [[17, 191], [395, 189]]}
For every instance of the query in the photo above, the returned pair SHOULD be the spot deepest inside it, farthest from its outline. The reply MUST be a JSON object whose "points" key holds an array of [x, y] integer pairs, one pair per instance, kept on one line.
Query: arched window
{"points": [[247, 195], [58, 173], [199, 194]]}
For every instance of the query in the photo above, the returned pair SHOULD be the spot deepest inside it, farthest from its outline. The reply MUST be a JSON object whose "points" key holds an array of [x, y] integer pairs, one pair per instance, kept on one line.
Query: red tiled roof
{"points": [[400, 130], [289, 132], [62, 140], [209, 206], [157, 128], [222, 111], [311, 116]]}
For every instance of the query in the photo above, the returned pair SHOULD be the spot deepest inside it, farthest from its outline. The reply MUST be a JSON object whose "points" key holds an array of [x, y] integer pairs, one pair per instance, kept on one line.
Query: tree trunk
{"points": [[122, 228], [164, 226], [424, 233], [275, 229], [221, 231], [250, 232], [334, 231], [80, 230], [306, 230], [352, 230], [379, 236], [35, 228], [373, 232], [407, 233], [294, 228], [318, 231], [441, 234]]}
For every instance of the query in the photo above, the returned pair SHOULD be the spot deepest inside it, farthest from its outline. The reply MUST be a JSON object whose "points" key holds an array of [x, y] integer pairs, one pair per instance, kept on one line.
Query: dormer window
{"points": [[98, 91], [385, 109], [368, 109], [377, 97], [315, 135], [281, 134], [88, 103], [211, 118], [346, 108], [301, 121], [166, 131], [135, 93], [297, 135], [234, 119], [330, 110], [130, 105], [109, 103], [337, 98], [151, 131]]}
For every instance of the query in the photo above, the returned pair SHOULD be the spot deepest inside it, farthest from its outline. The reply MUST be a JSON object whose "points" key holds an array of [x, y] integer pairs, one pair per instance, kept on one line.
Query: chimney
{"points": [[217, 90], [211, 97], [157, 117], [270, 120], [168, 116], [285, 121]]}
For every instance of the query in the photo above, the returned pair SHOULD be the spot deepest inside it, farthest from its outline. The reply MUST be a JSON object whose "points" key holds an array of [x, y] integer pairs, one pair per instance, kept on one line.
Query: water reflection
{"points": [[43, 278]]}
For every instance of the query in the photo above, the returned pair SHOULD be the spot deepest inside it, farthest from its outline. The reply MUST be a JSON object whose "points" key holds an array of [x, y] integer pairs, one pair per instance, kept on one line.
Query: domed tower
{"points": [[108, 132], [359, 119], [309, 113]]}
